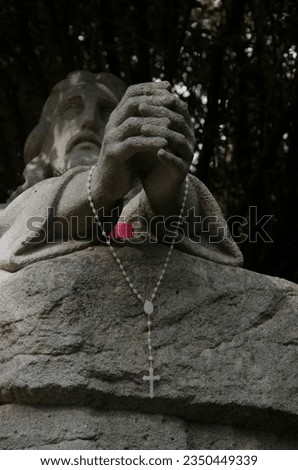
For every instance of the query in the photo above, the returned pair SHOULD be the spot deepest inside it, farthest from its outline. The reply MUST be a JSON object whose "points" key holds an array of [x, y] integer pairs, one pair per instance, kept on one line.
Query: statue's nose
{"points": [[91, 119]]}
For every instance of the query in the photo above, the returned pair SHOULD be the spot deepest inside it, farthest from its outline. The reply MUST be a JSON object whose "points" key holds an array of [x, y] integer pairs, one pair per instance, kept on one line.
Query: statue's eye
{"points": [[71, 109]]}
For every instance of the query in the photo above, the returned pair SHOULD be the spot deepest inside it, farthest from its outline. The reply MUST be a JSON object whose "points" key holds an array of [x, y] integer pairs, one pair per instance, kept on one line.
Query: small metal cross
{"points": [[151, 378]]}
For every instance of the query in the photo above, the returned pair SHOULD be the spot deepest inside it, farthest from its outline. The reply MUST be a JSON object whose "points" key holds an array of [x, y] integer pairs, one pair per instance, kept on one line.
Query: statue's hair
{"points": [[35, 140], [38, 164]]}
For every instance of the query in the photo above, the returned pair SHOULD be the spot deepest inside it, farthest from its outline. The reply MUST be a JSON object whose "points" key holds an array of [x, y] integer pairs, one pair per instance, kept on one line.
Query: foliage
{"points": [[234, 62]]}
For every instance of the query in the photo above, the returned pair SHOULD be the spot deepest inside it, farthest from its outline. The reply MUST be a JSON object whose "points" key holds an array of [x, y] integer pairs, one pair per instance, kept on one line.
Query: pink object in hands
{"points": [[122, 230]]}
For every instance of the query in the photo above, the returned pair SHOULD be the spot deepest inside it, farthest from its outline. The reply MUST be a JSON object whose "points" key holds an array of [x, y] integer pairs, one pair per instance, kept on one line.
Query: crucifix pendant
{"points": [[151, 378]]}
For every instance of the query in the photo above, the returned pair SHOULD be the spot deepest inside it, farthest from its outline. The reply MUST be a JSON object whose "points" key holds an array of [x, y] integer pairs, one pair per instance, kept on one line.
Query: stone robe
{"points": [[17, 252]]}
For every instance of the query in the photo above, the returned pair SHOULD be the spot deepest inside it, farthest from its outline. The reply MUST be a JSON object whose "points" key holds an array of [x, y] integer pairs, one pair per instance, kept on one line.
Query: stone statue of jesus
{"points": [[142, 142]]}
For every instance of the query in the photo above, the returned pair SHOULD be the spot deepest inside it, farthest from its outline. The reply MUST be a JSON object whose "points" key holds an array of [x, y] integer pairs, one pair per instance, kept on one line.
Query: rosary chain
{"points": [[127, 278]]}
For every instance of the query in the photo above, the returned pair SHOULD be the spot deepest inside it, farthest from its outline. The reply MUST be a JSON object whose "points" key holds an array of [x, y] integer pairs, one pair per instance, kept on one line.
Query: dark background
{"points": [[233, 61]]}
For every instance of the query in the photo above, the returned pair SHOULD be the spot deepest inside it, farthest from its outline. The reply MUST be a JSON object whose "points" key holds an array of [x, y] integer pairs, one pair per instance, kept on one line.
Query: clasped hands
{"points": [[150, 135]]}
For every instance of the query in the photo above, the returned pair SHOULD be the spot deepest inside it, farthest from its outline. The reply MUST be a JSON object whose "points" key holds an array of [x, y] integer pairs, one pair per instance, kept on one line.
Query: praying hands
{"points": [[150, 135]]}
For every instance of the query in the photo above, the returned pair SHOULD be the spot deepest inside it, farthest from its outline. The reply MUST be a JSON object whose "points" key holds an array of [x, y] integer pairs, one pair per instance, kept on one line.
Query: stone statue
{"points": [[75, 343], [141, 140]]}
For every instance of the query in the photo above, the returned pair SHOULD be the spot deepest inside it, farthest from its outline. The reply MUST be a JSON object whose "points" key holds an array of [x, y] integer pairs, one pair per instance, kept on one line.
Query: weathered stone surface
{"points": [[225, 344], [86, 428], [208, 436], [66, 428]]}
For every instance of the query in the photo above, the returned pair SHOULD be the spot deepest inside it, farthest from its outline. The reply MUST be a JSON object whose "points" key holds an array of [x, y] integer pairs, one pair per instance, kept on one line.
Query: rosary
{"points": [[147, 303]]}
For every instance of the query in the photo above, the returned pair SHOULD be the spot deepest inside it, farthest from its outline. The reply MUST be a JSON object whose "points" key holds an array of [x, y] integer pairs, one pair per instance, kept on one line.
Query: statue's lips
{"points": [[87, 140]]}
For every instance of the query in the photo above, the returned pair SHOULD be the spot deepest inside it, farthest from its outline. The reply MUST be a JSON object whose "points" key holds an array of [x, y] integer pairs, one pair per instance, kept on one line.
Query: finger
{"points": [[180, 107], [145, 88], [133, 145], [169, 158], [130, 107], [176, 140], [153, 92], [178, 122], [133, 125]]}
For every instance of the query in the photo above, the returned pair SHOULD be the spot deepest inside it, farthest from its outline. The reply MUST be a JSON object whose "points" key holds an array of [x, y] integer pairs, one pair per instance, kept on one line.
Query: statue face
{"points": [[78, 126]]}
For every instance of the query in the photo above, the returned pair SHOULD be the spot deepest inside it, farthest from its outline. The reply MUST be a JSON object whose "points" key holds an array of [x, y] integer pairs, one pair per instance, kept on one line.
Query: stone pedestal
{"points": [[73, 353]]}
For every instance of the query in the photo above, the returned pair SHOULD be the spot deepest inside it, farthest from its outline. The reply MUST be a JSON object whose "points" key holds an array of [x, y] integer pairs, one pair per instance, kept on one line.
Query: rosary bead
{"points": [[148, 307]]}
